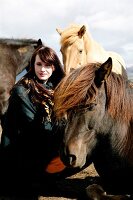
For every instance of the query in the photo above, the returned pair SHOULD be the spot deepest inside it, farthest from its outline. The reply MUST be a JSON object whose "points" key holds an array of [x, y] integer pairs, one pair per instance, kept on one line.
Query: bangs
{"points": [[48, 58]]}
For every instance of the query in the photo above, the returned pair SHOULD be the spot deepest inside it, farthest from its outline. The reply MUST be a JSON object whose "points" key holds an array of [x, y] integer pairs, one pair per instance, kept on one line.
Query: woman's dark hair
{"points": [[49, 57], [30, 81]]}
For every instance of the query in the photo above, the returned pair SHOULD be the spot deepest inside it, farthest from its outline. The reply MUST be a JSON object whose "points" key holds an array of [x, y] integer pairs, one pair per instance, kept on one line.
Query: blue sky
{"points": [[110, 22]]}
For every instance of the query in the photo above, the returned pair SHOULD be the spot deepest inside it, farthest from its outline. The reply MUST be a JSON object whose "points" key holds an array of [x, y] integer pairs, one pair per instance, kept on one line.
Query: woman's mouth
{"points": [[42, 74]]}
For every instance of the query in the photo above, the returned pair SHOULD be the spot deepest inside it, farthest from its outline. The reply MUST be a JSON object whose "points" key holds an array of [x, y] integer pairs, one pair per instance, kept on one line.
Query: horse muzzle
{"points": [[72, 157], [67, 158]]}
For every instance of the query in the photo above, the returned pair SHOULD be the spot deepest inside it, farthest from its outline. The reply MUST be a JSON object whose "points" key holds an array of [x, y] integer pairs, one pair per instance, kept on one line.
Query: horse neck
{"points": [[118, 134], [25, 53], [94, 51], [24, 61], [120, 128]]}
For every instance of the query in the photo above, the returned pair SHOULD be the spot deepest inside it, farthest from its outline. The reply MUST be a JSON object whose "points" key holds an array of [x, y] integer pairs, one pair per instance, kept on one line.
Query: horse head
{"points": [[84, 109], [73, 47]]}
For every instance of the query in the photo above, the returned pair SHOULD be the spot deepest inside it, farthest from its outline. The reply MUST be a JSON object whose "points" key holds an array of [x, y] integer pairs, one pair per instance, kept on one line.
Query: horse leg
{"points": [[96, 192]]}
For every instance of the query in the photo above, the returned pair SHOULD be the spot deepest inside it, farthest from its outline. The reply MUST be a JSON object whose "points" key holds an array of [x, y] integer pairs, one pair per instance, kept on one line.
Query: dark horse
{"points": [[97, 106], [15, 55]]}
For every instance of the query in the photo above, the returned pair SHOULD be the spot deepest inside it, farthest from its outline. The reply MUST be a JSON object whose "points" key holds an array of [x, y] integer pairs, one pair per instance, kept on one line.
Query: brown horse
{"points": [[97, 107], [15, 55], [78, 48]]}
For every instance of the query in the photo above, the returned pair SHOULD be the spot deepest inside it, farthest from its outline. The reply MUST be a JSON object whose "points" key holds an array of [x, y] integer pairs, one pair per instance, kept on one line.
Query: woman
{"points": [[31, 136]]}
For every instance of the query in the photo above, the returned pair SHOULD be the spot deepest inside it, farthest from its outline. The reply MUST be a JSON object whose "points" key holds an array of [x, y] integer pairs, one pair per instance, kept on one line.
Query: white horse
{"points": [[79, 48]]}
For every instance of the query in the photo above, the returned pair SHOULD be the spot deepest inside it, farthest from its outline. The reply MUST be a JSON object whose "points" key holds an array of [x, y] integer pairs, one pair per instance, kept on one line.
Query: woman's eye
{"points": [[48, 66], [80, 51], [39, 64]]}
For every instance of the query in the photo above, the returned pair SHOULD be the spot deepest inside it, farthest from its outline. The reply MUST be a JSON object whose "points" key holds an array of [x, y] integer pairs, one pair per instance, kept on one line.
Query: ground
{"points": [[72, 188]]}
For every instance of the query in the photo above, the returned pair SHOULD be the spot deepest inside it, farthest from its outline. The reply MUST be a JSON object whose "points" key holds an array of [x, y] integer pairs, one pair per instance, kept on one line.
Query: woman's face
{"points": [[42, 71]]}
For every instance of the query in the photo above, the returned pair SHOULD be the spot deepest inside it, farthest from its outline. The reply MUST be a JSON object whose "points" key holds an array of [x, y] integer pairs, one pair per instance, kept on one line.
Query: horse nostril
{"points": [[72, 159]]}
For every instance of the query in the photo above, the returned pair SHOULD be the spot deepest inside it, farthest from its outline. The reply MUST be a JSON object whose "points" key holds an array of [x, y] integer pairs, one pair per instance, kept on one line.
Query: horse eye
{"points": [[80, 51], [91, 107], [63, 122]]}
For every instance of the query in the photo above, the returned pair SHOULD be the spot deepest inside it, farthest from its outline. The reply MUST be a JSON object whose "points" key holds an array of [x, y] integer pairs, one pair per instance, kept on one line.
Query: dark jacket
{"points": [[30, 141]]}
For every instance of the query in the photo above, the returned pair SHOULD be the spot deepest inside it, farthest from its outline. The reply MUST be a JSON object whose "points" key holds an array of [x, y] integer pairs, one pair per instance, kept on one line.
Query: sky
{"points": [[110, 22]]}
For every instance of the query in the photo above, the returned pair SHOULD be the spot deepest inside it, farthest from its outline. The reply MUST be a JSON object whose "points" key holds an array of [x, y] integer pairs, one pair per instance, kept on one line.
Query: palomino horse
{"points": [[97, 106], [79, 48], [15, 55]]}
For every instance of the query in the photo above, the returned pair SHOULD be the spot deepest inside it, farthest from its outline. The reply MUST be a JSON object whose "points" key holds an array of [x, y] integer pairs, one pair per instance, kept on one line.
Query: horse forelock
{"points": [[69, 35], [73, 89]]}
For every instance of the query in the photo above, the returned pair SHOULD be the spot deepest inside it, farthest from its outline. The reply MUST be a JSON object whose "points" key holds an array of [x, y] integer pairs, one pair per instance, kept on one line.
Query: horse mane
{"points": [[79, 88], [73, 88], [70, 35], [17, 42]]}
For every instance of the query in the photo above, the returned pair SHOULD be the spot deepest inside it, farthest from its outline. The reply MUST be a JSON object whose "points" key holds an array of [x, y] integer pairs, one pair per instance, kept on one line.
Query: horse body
{"points": [[79, 48], [15, 55], [98, 109]]}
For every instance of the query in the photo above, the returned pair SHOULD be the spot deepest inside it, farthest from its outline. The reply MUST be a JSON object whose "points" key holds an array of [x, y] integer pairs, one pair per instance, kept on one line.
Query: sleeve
{"points": [[19, 116]]}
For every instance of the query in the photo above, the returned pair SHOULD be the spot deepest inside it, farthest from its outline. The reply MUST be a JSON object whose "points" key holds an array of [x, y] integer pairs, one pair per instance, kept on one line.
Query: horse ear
{"points": [[39, 42], [103, 72], [59, 30], [82, 31]]}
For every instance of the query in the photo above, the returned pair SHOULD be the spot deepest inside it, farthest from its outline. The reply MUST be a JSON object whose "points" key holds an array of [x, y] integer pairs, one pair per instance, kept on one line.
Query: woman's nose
{"points": [[43, 68]]}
